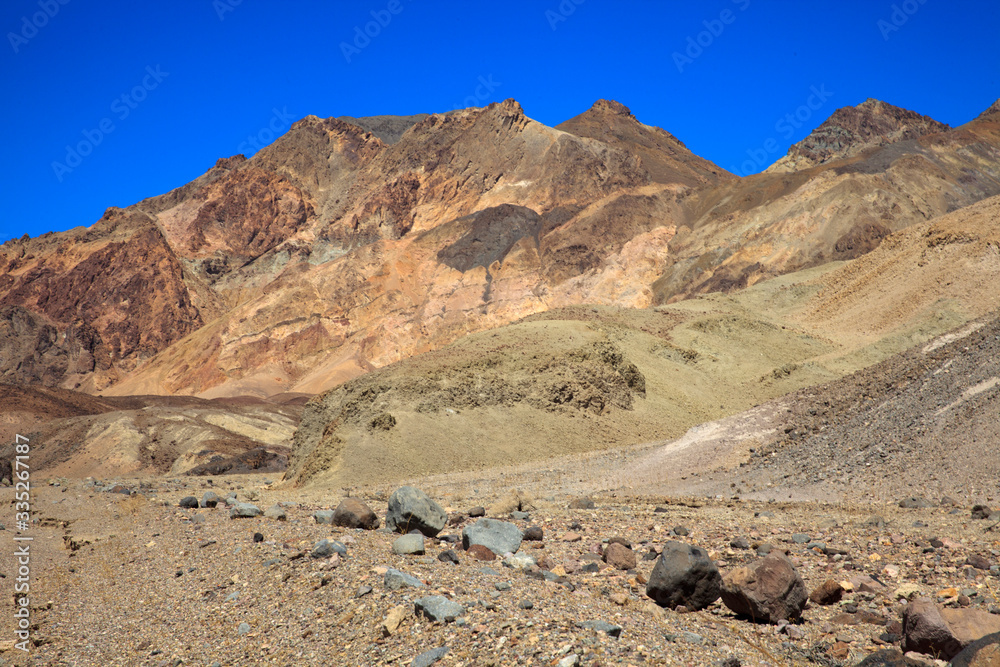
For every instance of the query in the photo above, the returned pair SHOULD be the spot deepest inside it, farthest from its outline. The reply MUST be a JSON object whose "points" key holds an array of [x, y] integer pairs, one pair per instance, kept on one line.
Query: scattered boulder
{"points": [[244, 511], [395, 579], [276, 512], [609, 629], [448, 556], [925, 631], [323, 516], [394, 619], [684, 575], [619, 556], [411, 508], [210, 499], [981, 512], [827, 593], [412, 543], [533, 534], [353, 513], [984, 652], [500, 537], [584, 503], [188, 502], [769, 590], [428, 658], [438, 608], [477, 512], [930, 629], [326, 548], [479, 552]]}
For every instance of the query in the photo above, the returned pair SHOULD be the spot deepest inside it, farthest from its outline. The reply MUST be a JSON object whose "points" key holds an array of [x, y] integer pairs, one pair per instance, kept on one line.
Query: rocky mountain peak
{"points": [[610, 107], [992, 110], [850, 131]]}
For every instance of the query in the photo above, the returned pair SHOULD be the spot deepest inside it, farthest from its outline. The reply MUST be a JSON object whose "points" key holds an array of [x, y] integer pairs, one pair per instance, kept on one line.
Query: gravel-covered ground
{"points": [[137, 580]]}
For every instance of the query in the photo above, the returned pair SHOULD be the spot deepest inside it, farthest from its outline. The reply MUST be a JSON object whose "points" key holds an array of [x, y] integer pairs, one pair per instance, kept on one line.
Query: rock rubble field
{"points": [[233, 571]]}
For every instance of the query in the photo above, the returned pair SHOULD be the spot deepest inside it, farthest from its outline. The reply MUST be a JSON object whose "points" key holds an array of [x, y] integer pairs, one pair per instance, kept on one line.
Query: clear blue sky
{"points": [[201, 76]]}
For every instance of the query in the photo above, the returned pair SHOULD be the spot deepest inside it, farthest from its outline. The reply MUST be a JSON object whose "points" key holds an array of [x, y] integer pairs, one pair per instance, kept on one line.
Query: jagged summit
{"points": [[850, 131], [992, 110], [612, 107], [387, 128]]}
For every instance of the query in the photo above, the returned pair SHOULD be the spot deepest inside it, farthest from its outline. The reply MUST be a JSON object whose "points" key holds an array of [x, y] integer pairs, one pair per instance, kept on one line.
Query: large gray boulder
{"points": [[684, 575], [411, 509], [768, 590], [500, 537]]}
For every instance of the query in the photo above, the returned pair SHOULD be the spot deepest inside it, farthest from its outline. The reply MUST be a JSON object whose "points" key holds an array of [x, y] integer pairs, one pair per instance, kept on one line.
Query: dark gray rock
{"points": [[326, 548], [500, 537], [684, 575], [428, 658], [534, 534], [188, 502], [410, 509], [438, 608], [448, 556], [210, 499], [981, 512], [476, 512], [739, 543]]}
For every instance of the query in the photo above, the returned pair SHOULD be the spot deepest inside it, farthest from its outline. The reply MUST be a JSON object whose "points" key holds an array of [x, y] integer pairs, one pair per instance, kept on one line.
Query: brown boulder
{"points": [[944, 632], [769, 590], [983, 652], [829, 592], [479, 552], [352, 513], [619, 556]]}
